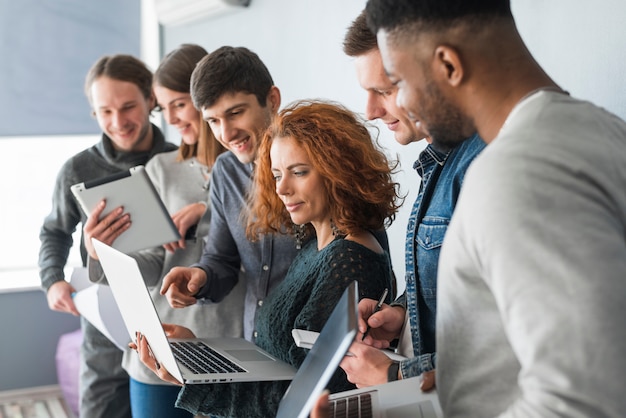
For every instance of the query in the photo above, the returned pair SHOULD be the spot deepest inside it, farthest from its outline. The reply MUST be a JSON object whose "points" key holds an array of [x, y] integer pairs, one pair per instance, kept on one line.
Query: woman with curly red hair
{"points": [[317, 173]]}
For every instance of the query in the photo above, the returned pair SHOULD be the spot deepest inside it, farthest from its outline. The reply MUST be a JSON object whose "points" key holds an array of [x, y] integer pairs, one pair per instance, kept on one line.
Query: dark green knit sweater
{"points": [[305, 299]]}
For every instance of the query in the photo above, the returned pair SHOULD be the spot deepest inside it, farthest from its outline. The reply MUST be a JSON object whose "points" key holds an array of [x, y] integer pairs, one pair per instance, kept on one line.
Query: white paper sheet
{"points": [[96, 303]]}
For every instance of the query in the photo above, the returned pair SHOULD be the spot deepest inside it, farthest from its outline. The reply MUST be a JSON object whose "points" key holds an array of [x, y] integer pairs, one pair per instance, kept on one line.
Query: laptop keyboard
{"points": [[356, 406], [200, 358]]}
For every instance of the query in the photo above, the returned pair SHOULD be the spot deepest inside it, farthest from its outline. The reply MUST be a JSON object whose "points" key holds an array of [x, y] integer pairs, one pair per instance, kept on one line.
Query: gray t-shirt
{"points": [[532, 274]]}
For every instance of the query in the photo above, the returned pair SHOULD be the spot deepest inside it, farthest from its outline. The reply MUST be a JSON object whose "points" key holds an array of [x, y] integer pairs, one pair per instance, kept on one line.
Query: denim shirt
{"points": [[442, 175]]}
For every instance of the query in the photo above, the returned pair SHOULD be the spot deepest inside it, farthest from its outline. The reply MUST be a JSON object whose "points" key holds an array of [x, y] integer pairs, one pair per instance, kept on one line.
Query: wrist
{"points": [[393, 371]]}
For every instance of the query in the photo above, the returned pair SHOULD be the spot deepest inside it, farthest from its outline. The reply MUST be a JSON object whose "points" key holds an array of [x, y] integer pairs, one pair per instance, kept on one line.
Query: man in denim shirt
{"points": [[442, 172]]}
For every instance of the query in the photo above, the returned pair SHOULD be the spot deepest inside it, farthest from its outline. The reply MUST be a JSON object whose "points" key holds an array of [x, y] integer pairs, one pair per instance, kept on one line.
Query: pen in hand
{"points": [[376, 309]]}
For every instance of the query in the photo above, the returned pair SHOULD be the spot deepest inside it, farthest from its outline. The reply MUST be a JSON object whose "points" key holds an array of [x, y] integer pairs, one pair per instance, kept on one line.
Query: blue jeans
{"points": [[155, 401]]}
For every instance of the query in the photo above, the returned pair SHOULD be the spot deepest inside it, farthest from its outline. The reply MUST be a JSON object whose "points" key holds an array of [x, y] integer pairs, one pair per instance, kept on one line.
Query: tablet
{"points": [[151, 224]]}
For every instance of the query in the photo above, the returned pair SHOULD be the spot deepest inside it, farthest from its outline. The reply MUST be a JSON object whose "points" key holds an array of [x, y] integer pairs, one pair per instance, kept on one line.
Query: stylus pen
{"points": [[376, 309]]}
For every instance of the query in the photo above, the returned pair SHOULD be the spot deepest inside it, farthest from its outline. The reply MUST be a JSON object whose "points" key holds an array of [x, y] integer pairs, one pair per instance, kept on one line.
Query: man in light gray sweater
{"points": [[119, 89], [532, 285]]}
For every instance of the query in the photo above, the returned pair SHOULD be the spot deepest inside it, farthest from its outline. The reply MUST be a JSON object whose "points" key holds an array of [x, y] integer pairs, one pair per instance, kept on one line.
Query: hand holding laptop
{"points": [[321, 407], [149, 360], [367, 366]]}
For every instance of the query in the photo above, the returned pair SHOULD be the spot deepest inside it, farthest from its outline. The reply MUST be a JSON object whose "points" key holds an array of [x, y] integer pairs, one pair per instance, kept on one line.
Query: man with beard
{"points": [[531, 279]]}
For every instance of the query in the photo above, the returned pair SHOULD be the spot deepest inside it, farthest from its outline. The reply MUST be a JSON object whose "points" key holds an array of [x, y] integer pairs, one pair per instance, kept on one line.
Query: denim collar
{"points": [[430, 155]]}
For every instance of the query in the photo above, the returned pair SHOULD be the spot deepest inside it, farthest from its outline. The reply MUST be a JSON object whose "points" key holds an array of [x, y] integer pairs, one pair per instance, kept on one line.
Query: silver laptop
{"points": [[191, 361], [151, 224], [398, 399]]}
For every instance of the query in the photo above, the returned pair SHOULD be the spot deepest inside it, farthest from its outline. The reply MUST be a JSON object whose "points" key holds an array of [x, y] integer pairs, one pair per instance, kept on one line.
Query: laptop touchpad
{"points": [[249, 355], [423, 409]]}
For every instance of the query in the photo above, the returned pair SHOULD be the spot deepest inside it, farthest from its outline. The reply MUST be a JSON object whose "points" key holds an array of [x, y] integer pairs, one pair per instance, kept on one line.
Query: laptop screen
{"points": [[323, 359]]}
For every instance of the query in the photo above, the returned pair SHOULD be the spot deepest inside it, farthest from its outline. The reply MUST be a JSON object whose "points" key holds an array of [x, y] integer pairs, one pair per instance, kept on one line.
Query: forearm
{"points": [[53, 255], [221, 279]]}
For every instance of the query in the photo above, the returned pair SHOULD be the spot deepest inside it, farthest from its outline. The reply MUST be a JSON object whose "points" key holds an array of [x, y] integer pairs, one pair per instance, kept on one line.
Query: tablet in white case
{"points": [[151, 224]]}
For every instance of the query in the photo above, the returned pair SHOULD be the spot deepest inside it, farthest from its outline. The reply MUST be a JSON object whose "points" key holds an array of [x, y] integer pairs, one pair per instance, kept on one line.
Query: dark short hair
{"points": [[123, 68], [229, 70], [391, 14], [359, 39]]}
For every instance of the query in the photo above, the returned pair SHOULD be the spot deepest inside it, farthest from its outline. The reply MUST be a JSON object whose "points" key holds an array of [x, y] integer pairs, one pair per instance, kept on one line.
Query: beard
{"points": [[448, 127]]}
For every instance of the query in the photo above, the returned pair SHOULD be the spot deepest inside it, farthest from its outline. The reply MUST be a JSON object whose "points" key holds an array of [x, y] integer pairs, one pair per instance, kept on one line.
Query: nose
{"points": [[170, 116], [228, 131], [118, 120], [282, 187], [373, 108]]}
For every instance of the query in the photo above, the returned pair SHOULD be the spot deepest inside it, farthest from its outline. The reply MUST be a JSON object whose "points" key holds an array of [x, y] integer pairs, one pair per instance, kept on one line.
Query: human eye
{"points": [[300, 172], [383, 93], [236, 112], [277, 177]]}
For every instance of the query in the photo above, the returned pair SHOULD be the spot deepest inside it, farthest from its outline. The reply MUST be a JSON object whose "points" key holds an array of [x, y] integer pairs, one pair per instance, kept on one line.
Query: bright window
{"points": [[28, 167]]}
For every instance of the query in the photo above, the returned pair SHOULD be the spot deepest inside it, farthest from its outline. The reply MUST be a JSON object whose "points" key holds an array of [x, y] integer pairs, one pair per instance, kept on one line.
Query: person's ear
{"points": [[273, 99], [152, 102], [448, 65]]}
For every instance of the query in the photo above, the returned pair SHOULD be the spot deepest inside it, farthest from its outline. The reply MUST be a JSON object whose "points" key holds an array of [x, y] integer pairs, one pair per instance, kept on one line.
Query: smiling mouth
{"points": [[392, 126], [125, 133], [238, 145]]}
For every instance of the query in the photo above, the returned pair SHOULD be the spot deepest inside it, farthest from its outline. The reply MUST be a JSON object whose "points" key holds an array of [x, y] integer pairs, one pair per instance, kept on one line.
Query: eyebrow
{"points": [[294, 165], [177, 98], [230, 109], [132, 102]]}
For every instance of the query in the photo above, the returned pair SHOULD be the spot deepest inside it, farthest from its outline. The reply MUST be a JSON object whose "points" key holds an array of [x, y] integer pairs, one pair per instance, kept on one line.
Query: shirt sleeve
{"points": [[57, 229], [220, 258], [547, 243]]}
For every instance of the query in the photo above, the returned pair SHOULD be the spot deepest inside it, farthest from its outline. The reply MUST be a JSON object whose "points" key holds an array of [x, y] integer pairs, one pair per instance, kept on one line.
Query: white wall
{"points": [[301, 44], [581, 45]]}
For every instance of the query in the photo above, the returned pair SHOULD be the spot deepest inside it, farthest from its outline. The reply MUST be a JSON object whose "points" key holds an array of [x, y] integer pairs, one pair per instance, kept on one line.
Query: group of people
{"points": [[515, 313]]}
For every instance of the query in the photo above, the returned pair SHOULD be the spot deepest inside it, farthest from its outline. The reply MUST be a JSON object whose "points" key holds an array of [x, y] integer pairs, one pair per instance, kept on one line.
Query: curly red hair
{"points": [[356, 173]]}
